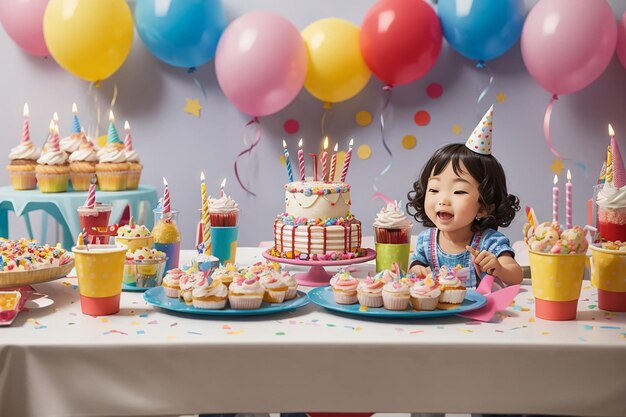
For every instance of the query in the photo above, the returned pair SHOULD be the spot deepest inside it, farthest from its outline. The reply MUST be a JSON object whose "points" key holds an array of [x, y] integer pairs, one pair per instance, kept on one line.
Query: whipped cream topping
{"points": [[396, 287], [448, 277], [425, 288], [271, 282], [172, 278], [84, 154], [132, 156], [611, 197], [250, 286], [25, 151], [210, 288], [392, 217], [53, 158], [113, 154], [289, 280], [343, 280], [224, 204], [371, 286], [71, 143]]}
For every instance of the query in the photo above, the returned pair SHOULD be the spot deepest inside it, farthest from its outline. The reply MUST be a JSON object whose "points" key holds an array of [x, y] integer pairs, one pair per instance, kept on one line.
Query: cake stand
{"points": [[317, 275]]}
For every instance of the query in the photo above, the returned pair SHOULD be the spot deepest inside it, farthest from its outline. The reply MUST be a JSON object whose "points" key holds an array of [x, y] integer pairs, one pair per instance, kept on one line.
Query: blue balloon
{"points": [[481, 29], [182, 33]]}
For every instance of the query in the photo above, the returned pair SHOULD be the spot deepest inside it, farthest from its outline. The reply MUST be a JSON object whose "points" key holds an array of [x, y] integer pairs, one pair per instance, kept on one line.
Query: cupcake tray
{"points": [[323, 296], [156, 296]]}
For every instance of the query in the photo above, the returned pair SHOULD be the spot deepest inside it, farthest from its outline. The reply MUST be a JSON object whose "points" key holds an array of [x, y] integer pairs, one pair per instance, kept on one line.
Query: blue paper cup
{"points": [[224, 243]]}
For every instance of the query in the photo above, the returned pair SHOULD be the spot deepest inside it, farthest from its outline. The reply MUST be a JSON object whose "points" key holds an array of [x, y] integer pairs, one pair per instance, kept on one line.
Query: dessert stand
{"points": [[317, 276]]}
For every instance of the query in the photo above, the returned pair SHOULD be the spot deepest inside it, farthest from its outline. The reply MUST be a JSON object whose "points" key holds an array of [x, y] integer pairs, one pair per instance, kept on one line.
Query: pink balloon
{"points": [[567, 44], [23, 21], [261, 63], [621, 40]]}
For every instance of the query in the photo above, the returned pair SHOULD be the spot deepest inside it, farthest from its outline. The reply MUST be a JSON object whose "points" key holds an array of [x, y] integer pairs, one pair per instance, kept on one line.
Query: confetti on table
{"points": [[557, 166], [140, 332], [545, 333], [153, 322], [363, 118], [591, 306], [174, 324], [440, 327], [280, 333], [587, 327], [71, 323], [115, 331], [409, 142], [170, 338], [143, 315], [421, 118], [611, 327], [499, 331], [196, 333], [582, 339], [192, 106], [41, 327], [226, 327], [466, 331], [501, 97], [416, 331], [473, 323], [525, 309], [358, 328], [134, 323], [363, 308], [235, 332], [399, 329], [330, 325], [457, 129], [623, 335], [531, 319], [104, 320]]}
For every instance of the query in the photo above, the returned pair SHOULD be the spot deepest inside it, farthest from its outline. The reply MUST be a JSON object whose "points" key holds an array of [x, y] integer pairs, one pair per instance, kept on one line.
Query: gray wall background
{"points": [[174, 144]]}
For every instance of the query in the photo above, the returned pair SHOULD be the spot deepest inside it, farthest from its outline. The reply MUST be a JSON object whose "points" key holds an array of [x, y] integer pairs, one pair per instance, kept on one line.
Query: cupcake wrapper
{"points": [[274, 296], [112, 181], [170, 292], [80, 182], [132, 180], [214, 305], [238, 302], [291, 293], [391, 302], [23, 180], [52, 183], [344, 298], [424, 304], [452, 296], [370, 300]]}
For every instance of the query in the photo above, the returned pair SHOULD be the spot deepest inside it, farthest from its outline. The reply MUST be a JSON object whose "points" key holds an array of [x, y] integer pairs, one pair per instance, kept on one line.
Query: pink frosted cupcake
{"points": [[370, 292], [425, 294], [226, 273], [452, 289], [171, 282], [292, 285], [245, 294], [209, 293], [395, 295], [187, 283], [344, 287], [275, 288], [389, 275]]}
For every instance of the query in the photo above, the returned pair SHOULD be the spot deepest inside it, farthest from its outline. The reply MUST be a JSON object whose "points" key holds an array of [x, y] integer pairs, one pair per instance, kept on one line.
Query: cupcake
{"points": [[23, 160], [226, 274], [245, 294], [388, 275], [452, 289], [187, 283], [209, 294], [425, 294], [369, 292], [392, 226], [171, 282], [132, 158], [83, 162], [275, 288], [344, 287], [52, 169], [395, 295], [223, 211], [292, 285], [112, 170], [134, 236]]}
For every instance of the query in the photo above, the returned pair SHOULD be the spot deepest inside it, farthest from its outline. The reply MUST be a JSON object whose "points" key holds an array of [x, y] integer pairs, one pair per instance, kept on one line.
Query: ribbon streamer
{"points": [[191, 71], [91, 92], [328, 108], [255, 142], [386, 99], [482, 65], [546, 132], [383, 197]]}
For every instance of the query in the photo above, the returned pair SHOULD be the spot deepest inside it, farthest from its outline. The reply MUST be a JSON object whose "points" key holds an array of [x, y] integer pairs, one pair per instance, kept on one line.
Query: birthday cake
{"points": [[317, 223]]}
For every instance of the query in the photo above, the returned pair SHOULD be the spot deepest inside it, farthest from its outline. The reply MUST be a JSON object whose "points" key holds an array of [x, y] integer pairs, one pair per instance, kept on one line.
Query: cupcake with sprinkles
{"points": [[23, 160], [344, 287], [245, 293], [370, 292]]}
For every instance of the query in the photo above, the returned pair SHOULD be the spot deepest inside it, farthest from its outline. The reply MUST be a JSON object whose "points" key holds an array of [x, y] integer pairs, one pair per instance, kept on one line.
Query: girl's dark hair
{"points": [[485, 169]]}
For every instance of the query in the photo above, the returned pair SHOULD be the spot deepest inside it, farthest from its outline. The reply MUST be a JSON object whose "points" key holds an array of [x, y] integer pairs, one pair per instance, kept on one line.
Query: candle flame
{"points": [[336, 147], [326, 143], [165, 182], [351, 142], [556, 179], [611, 131], [202, 176], [223, 184], [569, 176], [111, 117], [300, 143], [55, 117], [74, 108], [51, 127], [126, 126], [284, 143], [26, 112]]}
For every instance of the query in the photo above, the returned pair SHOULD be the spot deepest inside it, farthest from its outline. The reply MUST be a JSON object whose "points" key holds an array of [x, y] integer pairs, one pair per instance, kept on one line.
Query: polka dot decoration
{"points": [[421, 118], [364, 152], [291, 126], [363, 118], [409, 142], [282, 160], [457, 129], [501, 97], [434, 90]]}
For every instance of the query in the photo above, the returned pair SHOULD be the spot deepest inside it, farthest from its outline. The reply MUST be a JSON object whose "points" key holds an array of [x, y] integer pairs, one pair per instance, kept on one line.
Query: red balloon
{"points": [[400, 40]]}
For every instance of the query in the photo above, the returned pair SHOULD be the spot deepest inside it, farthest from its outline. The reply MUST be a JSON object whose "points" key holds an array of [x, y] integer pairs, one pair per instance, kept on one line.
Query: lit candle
{"points": [[25, 128], [324, 159], [301, 160], [333, 164], [166, 199], [222, 194], [555, 200], [128, 143], [75, 122], [346, 162], [55, 117], [53, 143], [112, 136], [568, 201], [314, 156], [206, 220], [611, 131], [287, 162], [91, 195]]}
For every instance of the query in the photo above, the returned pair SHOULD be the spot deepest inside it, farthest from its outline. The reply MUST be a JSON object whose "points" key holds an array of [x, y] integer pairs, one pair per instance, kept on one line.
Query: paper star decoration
{"points": [[192, 106], [557, 166]]}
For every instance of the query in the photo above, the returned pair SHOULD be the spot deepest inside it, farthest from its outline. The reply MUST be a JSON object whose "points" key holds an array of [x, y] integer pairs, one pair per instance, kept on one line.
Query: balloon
{"points": [[90, 39], [481, 29], [337, 70], [400, 40], [182, 33], [621, 40], [261, 63], [23, 21], [567, 44]]}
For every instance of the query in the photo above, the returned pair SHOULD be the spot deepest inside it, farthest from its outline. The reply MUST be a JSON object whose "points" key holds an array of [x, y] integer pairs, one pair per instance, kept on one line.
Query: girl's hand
{"points": [[419, 270], [485, 261]]}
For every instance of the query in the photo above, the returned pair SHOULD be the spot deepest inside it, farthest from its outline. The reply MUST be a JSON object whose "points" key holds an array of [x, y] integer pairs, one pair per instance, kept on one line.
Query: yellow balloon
{"points": [[90, 39], [337, 70]]}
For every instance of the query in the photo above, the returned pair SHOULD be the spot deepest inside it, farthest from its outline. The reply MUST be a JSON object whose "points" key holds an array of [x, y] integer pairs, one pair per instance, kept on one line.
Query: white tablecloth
{"points": [[55, 361]]}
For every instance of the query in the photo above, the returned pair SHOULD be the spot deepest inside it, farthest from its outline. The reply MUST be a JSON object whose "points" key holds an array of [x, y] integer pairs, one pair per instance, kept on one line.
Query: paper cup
{"points": [[224, 243], [134, 243], [608, 275], [556, 282], [100, 269], [387, 254]]}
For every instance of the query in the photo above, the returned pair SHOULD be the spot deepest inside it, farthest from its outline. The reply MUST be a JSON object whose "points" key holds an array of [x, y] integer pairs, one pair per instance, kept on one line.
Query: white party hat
{"points": [[480, 139]]}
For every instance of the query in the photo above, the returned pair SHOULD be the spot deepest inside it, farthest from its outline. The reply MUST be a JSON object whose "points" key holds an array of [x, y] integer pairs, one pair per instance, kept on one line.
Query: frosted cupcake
{"points": [[132, 158], [452, 289], [226, 274], [83, 162], [425, 294], [389, 275], [171, 282], [134, 236], [53, 170], [395, 295], [224, 211], [23, 161], [291, 283], [275, 288], [245, 294], [187, 283], [112, 170], [344, 287], [370, 292], [209, 294]]}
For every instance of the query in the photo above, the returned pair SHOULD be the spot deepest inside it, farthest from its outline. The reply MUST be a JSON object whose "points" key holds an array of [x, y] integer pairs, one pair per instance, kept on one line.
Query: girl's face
{"points": [[452, 201]]}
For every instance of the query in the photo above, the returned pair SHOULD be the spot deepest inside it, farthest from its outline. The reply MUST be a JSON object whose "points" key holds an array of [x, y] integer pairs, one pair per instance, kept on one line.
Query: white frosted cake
{"points": [[317, 223]]}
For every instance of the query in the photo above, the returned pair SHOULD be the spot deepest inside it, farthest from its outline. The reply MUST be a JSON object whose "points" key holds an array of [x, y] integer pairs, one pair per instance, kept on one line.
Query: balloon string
{"points": [[93, 133], [195, 79], [114, 98], [546, 132], [386, 99], [257, 138], [482, 65], [328, 107]]}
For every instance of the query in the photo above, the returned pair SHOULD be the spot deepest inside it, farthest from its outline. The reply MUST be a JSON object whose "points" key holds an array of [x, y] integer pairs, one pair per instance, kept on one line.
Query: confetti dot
{"points": [[291, 126], [409, 142], [457, 129], [364, 152], [501, 97], [282, 160], [434, 90], [421, 118], [363, 118]]}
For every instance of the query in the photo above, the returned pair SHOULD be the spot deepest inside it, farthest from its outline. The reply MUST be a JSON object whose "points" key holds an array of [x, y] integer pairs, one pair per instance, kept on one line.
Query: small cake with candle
{"points": [[132, 158], [53, 170], [611, 199], [83, 162], [74, 140], [112, 170], [23, 160], [223, 211]]}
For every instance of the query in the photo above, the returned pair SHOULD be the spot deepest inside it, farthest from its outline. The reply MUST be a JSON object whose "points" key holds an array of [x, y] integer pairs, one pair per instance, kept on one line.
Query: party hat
{"points": [[480, 139], [619, 174], [112, 136]]}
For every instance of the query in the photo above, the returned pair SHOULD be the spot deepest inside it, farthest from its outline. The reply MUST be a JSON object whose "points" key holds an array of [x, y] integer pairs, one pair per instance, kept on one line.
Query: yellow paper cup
{"points": [[608, 275], [556, 282], [99, 269], [135, 243]]}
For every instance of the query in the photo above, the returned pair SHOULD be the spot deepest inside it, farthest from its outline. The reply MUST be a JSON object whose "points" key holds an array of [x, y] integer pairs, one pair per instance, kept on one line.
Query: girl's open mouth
{"points": [[444, 216]]}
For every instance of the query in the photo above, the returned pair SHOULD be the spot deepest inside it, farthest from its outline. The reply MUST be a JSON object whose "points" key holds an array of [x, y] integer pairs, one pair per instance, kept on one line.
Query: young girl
{"points": [[461, 195]]}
